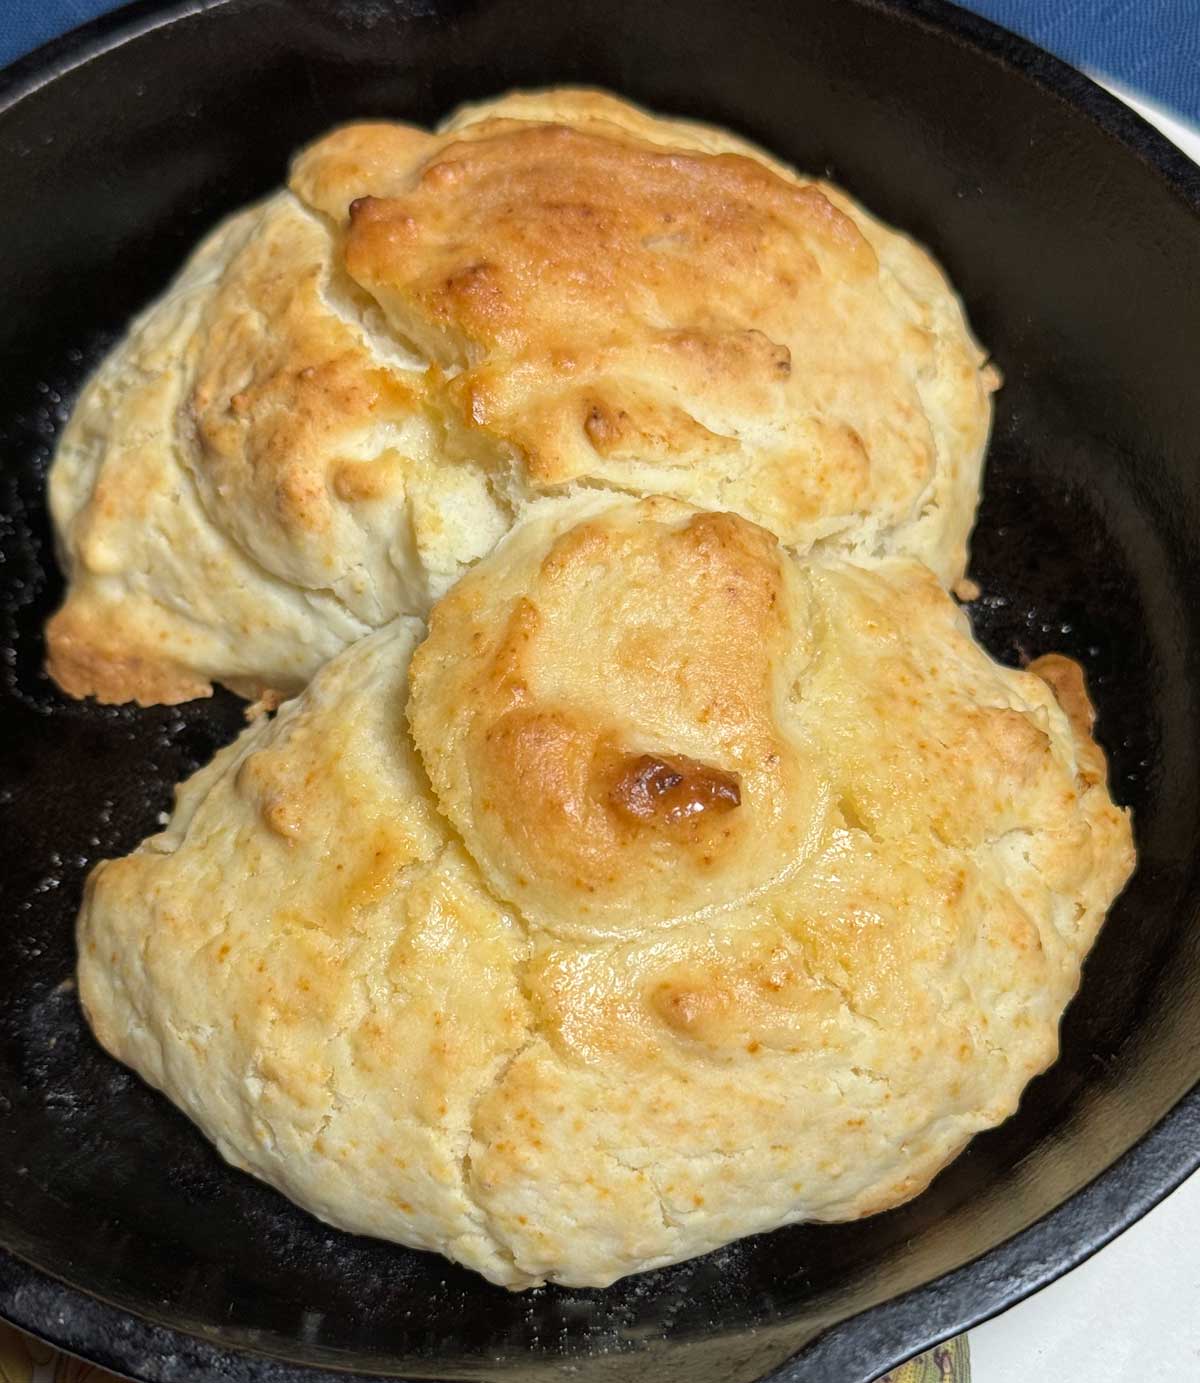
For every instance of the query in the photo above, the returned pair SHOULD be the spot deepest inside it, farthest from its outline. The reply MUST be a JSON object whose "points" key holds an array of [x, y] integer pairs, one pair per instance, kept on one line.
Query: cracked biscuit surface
{"points": [[671, 888], [353, 390]]}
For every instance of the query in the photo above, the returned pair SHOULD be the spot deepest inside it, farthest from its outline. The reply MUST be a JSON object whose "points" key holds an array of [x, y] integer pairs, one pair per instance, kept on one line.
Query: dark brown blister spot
{"points": [[674, 790]]}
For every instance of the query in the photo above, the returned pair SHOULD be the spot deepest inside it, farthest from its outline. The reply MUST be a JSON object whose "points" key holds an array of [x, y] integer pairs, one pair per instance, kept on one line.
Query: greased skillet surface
{"points": [[1078, 254]]}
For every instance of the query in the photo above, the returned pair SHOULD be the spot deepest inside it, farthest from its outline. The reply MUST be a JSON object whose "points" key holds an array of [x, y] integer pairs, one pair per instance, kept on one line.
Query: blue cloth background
{"points": [[1151, 46]]}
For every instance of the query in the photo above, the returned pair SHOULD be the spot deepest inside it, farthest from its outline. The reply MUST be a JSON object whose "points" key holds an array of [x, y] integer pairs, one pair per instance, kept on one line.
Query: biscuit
{"points": [[673, 887], [353, 390]]}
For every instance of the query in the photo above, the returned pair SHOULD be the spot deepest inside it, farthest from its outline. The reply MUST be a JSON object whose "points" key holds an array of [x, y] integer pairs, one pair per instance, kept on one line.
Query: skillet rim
{"points": [[864, 1344]]}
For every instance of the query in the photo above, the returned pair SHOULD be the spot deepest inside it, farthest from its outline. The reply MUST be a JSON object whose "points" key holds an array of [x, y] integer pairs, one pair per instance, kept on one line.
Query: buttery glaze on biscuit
{"points": [[674, 888], [352, 391]]}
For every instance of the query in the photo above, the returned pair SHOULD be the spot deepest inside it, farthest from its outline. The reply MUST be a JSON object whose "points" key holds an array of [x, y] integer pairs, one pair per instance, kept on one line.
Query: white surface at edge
{"points": [[1132, 1312]]}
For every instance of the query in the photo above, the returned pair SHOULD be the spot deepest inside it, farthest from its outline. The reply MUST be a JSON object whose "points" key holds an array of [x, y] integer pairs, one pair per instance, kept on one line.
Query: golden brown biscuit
{"points": [[246, 485], [352, 391], [691, 888]]}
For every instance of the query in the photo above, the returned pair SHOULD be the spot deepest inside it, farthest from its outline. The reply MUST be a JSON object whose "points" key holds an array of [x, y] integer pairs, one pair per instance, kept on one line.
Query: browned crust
{"points": [[1066, 680], [81, 664], [263, 699]]}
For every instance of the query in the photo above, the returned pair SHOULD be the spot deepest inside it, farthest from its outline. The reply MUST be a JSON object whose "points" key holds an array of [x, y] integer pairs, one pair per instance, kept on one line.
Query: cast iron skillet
{"points": [[1074, 232]]}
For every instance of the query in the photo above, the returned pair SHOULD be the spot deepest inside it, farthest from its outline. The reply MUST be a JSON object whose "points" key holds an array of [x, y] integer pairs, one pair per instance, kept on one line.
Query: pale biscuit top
{"points": [[351, 392], [686, 889]]}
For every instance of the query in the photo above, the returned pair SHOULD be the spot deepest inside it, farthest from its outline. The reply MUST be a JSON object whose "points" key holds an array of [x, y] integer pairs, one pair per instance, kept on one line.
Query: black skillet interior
{"points": [[1079, 258]]}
